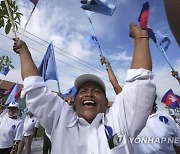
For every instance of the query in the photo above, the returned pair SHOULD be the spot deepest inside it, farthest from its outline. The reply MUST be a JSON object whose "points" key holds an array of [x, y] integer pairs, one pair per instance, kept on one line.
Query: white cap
{"points": [[14, 104], [89, 77]]}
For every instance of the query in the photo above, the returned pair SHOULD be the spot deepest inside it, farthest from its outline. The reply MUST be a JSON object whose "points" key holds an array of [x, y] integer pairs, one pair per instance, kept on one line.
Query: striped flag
{"points": [[11, 97], [170, 99], [34, 2], [143, 17]]}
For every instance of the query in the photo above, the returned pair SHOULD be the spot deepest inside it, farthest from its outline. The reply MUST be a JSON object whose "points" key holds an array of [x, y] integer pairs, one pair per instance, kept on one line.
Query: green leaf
{"points": [[1, 23], [8, 28]]}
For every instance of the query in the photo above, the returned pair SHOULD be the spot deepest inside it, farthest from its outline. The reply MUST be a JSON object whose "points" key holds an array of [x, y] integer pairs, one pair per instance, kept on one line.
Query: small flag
{"points": [[4, 70], [70, 93], [34, 2], [92, 39], [26, 110], [11, 97], [18, 94], [170, 99], [164, 41], [143, 17], [47, 67], [99, 6], [151, 35]]}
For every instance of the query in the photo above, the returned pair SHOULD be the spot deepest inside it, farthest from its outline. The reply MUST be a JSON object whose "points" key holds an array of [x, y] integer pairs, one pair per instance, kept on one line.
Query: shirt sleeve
{"points": [[36, 124], [19, 131], [43, 103], [133, 105]]}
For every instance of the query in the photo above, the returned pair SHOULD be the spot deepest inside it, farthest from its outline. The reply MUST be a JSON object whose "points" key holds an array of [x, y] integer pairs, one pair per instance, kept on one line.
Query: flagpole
{"points": [[10, 18], [1, 81], [56, 70], [164, 54], [101, 54], [27, 22]]}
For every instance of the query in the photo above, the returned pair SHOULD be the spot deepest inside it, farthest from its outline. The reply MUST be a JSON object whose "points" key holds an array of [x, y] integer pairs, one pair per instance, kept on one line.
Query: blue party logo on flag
{"points": [[92, 39], [4, 70]]}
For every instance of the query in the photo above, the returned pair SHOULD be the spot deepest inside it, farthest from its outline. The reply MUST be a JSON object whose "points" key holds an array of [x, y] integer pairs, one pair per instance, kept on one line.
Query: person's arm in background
{"points": [[112, 77], [35, 129], [15, 147], [28, 68], [172, 8], [35, 132], [175, 74]]}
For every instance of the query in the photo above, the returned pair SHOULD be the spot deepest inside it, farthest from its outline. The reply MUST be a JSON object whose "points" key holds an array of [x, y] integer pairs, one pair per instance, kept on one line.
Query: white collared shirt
{"points": [[161, 130], [73, 135], [10, 130], [29, 124]]}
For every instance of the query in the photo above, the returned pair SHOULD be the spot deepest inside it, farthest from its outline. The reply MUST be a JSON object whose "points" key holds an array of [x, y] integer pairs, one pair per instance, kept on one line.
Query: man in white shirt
{"points": [[161, 135], [89, 127], [30, 129], [11, 127]]}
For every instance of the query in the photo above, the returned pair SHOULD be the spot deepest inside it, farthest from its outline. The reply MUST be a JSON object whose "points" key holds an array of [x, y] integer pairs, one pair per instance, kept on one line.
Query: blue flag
{"points": [[99, 6], [11, 97], [92, 39], [47, 67], [164, 41], [70, 93], [4, 70]]}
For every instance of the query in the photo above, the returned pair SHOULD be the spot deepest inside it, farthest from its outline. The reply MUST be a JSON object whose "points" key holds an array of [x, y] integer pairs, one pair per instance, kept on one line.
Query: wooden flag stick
{"points": [[11, 19], [27, 22]]}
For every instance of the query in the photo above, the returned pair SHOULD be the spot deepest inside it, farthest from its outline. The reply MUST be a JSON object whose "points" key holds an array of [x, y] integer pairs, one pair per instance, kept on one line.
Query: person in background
{"points": [[11, 128], [112, 77], [160, 128], [175, 74], [30, 130]]}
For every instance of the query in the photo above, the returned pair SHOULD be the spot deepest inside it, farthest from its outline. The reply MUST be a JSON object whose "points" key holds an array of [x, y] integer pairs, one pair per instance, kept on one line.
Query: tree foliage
{"points": [[4, 16], [5, 61]]}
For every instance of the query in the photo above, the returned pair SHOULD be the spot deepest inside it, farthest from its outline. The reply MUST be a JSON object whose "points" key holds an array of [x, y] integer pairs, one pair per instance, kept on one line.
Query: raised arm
{"points": [[142, 56], [112, 77], [28, 68], [172, 8]]}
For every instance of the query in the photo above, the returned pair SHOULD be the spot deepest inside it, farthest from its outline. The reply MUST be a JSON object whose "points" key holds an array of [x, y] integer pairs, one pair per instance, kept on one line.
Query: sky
{"points": [[65, 24]]}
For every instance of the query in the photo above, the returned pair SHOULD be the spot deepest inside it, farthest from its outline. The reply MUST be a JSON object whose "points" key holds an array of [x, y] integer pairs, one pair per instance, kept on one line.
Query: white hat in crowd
{"points": [[14, 104]]}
